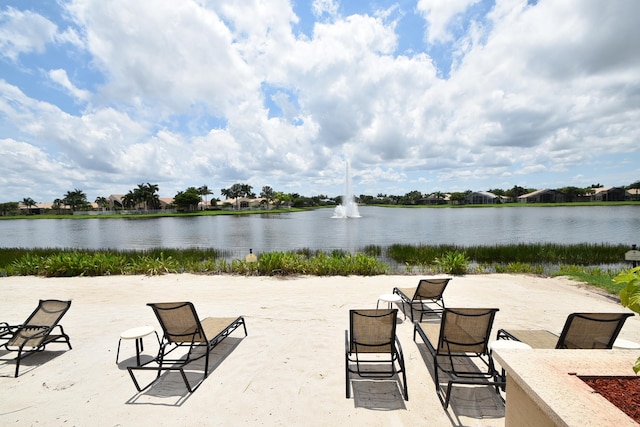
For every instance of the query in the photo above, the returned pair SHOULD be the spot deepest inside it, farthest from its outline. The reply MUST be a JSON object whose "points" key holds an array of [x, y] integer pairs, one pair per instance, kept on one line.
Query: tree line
{"points": [[145, 197]]}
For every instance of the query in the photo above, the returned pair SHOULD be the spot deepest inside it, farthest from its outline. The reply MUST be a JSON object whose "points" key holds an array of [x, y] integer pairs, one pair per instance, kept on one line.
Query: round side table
{"points": [[621, 343], [390, 299], [136, 334]]}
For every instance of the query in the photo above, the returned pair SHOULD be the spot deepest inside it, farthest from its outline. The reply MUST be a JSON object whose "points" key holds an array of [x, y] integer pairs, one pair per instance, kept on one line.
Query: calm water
{"points": [[317, 230]]}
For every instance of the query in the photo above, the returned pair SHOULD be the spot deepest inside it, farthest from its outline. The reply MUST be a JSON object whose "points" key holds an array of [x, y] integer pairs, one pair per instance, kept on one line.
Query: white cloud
{"points": [[186, 96], [60, 77], [24, 32], [439, 15], [320, 7]]}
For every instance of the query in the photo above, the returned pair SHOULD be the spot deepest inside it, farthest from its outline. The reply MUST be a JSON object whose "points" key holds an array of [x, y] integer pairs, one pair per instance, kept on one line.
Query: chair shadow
{"points": [[471, 401], [378, 394], [27, 364], [170, 385], [381, 394]]}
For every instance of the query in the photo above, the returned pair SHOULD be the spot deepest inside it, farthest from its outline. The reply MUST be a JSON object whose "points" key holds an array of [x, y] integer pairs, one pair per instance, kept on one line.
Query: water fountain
{"points": [[348, 208]]}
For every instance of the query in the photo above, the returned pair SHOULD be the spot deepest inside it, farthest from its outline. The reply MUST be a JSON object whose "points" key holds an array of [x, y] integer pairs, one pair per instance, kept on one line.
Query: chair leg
{"points": [[118, 352], [18, 362], [206, 363], [404, 378], [346, 372]]}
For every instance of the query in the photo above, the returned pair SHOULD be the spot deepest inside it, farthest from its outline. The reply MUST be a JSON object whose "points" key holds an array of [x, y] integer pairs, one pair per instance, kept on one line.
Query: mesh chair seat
{"points": [[182, 328], [38, 331], [461, 337], [428, 291], [580, 331], [373, 332]]}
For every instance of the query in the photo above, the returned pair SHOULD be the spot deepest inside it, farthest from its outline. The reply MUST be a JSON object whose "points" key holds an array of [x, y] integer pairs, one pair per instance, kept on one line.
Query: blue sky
{"points": [[427, 95]]}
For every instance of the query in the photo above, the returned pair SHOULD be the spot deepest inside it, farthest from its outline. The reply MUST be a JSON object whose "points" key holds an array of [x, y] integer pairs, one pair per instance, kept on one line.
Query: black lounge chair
{"points": [[427, 291], [182, 328], [37, 331], [461, 337], [373, 336], [580, 331]]}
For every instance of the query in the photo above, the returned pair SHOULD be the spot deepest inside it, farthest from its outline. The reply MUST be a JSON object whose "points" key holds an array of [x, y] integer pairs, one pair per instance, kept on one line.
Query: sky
{"points": [[426, 95]]}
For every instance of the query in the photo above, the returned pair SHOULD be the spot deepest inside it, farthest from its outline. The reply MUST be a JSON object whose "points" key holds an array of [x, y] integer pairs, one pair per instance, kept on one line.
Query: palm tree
{"points": [[102, 202], [75, 199], [268, 193], [28, 202], [152, 200], [235, 191], [145, 195], [129, 200], [57, 204], [204, 191]]}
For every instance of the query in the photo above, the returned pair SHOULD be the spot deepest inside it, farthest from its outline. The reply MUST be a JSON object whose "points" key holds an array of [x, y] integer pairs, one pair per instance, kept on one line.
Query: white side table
{"points": [[621, 343], [136, 334], [390, 299]]}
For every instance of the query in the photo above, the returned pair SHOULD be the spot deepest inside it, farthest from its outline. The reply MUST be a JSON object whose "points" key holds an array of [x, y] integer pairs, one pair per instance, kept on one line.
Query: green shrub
{"points": [[630, 295], [453, 263]]}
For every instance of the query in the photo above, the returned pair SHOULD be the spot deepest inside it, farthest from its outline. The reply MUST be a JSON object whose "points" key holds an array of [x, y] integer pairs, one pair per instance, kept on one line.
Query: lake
{"points": [[317, 229]]}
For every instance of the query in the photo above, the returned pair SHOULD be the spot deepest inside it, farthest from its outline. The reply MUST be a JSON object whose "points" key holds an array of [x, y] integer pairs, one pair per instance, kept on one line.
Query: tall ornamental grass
{"points": [[68, 263], [537, 253]]}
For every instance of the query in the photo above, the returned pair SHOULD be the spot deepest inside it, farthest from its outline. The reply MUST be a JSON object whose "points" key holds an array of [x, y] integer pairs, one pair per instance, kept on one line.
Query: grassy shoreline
{"points": [[587, 263]]}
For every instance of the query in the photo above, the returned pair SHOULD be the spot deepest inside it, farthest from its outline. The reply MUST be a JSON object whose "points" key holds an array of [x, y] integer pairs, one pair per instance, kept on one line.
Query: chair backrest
{"points": [[465, 330], [429, 289], [591, 330], [45, 317], [372, 331], [179, 322]]}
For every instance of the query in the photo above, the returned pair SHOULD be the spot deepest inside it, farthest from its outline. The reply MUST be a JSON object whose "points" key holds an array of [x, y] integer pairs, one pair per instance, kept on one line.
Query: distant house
{"points": [[633, 194], [165, 202], [543, 196], [483, 198], [244, 203], [115, 202], [438, 199], [207, 204], [609, 194]]}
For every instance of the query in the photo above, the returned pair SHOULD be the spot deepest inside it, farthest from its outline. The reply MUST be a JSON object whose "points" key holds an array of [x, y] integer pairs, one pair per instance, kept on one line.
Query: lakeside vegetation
{"points": [[583, 262]]}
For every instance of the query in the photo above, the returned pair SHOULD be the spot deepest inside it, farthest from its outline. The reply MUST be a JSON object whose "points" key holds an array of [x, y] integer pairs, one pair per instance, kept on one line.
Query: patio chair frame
{"points": [[458, 339], [39, 330], [579, 332], [362, 340], [193, 338], [428, 291]]}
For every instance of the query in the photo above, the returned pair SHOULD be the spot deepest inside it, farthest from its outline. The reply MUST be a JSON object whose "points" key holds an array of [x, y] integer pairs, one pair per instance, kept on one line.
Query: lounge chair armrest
{"points": [[430, 346], [398, 292], [504, 335]]}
